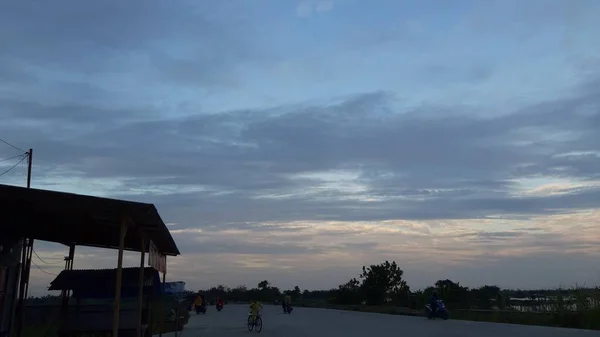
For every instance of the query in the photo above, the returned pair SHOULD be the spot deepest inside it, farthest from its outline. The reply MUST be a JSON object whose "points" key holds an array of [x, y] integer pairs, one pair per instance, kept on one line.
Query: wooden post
{"points": [[141, 287], [71, 255], [117, 304], [70, 262], [162, 317], [65, 294], [22, 281]]}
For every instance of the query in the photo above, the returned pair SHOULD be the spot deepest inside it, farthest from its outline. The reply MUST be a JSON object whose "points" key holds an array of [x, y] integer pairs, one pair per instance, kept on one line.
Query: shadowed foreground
{"points": [[309, 322]]}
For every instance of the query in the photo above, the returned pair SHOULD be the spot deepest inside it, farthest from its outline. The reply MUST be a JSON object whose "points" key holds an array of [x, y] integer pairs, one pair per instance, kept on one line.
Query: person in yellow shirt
{"points": [[198, 301], [255, 308], [200, 304]]}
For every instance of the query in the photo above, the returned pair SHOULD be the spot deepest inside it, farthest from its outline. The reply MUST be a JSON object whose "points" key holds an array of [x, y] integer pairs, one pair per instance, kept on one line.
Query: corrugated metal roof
{"points": [[102, 280], [81, 219]]}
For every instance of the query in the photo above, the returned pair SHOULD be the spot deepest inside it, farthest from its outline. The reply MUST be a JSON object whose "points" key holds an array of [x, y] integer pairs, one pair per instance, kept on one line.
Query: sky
{"points": [[296, 141]]}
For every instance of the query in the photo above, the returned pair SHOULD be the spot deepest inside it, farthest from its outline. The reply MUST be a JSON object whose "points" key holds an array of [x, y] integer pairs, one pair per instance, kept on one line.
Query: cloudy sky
{"points": [[298, 140]]}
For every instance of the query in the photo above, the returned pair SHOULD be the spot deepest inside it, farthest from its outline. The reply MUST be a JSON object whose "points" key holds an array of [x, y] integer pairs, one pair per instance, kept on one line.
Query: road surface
{"points": [[309, 322]]}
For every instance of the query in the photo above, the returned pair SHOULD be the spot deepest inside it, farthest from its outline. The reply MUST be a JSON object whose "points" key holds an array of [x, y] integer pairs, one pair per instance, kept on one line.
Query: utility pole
{"points": [[29, 160], [26, 266]]}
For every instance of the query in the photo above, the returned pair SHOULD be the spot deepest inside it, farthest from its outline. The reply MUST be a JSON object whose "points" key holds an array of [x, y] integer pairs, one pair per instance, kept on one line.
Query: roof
{"points": [[101, 282], [81, 219], [103, 278]]}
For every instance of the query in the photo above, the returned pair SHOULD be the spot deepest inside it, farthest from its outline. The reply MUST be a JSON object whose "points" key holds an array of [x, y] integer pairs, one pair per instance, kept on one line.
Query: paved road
{"points": [[307, 322]]}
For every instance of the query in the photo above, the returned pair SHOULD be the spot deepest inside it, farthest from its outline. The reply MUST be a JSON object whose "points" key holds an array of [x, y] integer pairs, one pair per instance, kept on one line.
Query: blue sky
{"points": [[298, 140]]}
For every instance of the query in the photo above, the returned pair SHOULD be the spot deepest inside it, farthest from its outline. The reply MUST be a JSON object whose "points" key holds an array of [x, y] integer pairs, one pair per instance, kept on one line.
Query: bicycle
{"points": [[255, 324]]}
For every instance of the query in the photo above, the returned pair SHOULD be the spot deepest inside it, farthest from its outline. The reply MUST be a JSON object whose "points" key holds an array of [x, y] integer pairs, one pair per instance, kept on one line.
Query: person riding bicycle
{"points": [[255, 308]]}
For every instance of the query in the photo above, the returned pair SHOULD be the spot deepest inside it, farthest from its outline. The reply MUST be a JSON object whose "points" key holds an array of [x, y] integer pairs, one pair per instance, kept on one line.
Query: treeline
{"points": [[383, 284], [264, 292], [379, 284]]}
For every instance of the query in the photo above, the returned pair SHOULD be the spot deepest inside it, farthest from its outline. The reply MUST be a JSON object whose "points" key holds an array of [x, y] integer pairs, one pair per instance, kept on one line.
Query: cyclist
{"points": [[255, 308]]}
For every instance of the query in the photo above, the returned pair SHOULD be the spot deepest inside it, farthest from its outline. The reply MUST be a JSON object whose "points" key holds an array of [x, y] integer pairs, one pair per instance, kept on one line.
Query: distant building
{"points": [[174, 287]]}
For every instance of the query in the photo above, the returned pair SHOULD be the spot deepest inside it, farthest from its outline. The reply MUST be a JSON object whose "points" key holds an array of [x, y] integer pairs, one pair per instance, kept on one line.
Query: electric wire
{"points": [[43, 261], [42, 270], [11, 158], [14, 166], [11, 145]]}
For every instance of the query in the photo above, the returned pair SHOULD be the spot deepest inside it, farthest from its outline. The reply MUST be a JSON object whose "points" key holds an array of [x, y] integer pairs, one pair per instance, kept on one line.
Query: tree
{"points": [[263, 285], [485, 295], [348, 293], [383, 282], [453, 293], [295, 293]]}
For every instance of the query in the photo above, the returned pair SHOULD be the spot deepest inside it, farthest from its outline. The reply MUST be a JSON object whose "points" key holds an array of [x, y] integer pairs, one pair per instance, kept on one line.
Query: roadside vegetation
{"points": [[381, 288]]}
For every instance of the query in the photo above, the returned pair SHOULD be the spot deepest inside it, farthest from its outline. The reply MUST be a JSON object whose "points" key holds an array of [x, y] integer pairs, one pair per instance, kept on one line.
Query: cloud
{"points": [[325, 6], [307, 8], [304, 9], [458, 249], [354, 159], [284, 147]]}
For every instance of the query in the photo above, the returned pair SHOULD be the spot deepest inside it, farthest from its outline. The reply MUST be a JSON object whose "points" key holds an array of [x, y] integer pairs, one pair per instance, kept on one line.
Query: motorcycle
{"points": [[440, 312], [219, 306], [287, 309]]}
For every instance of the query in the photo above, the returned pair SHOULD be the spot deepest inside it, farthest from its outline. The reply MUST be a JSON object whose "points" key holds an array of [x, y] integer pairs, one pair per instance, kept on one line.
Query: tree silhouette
{"points": [[453, 293], [348, 293], [486, 295], [263, 285], [382, 282]]}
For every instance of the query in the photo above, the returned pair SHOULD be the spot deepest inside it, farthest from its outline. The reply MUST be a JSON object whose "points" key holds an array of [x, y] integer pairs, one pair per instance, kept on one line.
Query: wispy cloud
{"points": [[307, 8]]}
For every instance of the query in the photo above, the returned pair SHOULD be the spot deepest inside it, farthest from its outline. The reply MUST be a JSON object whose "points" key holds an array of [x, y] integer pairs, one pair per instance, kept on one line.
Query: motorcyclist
{"points": [[433, 301], [288, 301], [219, 301], [198, 302]]}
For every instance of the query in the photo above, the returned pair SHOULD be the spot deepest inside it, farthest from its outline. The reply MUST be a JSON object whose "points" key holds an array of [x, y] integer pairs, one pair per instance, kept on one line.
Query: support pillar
{"points": [[117, 303], [163, 306], [66, 294], [10, 253], [141, 287]]}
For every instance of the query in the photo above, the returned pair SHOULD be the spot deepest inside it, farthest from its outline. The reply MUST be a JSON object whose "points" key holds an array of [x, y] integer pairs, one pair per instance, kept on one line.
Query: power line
{"points": [[42, 270], [36, 254], [13, 157], [13, 146], [13, 167]]}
